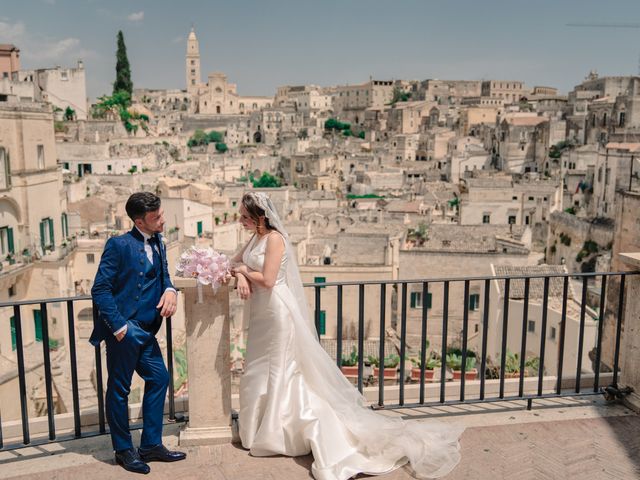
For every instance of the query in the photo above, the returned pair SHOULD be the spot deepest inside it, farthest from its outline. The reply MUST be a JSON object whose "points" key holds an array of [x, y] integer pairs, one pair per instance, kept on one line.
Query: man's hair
{"points": [[141, 203]]}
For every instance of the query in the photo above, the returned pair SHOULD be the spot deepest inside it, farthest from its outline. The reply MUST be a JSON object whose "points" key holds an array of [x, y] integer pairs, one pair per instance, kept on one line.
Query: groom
{"points": [[132, 291]]}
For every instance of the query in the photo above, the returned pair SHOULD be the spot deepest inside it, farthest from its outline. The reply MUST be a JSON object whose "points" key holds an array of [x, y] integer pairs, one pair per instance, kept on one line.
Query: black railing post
{"points": [[317, 310], [485, 328], [505, 326], [583, 306], [543, 334], [525, 331], [360, 335], [17, 319], [423, 338], [383, 305], [465, 327], [563, 329], [47, 371], [445, 324], [172, 400], [339, 328], [73, 364], [616, 355], [99, 388], [603, 306], [403, 341]]}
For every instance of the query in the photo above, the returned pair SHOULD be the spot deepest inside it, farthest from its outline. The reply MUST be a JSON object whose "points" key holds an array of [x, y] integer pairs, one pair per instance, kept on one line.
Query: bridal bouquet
{"points": [[206, 265]]}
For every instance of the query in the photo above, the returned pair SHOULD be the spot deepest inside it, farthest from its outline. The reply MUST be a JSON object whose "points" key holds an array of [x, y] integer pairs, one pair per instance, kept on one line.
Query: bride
{"points": [[293, 398]]}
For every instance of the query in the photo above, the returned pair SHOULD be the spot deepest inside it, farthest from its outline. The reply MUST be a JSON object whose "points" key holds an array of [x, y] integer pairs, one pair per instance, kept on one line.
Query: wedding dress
{"points": [[294, 400]]}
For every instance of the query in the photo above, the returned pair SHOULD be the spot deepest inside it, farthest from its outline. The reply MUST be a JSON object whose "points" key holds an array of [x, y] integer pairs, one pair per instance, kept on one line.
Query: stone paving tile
{"points": [[585, 448]]}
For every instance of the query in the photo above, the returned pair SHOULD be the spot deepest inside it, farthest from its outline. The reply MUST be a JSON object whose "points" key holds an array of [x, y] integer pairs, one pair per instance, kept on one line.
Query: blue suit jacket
{"points": [[118, 282]]}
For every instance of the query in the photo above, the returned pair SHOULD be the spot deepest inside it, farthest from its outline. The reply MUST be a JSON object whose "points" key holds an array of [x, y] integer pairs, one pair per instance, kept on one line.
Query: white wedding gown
{"points": [[294, 400]]}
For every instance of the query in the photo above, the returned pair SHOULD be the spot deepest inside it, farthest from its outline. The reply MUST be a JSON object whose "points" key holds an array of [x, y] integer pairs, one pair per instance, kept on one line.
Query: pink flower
{"points": [[206, 265]]}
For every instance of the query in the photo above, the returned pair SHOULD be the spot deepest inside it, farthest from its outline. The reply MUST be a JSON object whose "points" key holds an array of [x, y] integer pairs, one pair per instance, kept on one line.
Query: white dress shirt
{"points": [[149, 252]]}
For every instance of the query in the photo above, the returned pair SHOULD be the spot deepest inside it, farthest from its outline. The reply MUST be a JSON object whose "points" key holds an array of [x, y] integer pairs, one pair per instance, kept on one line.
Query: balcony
{"points": [[552, 420]]}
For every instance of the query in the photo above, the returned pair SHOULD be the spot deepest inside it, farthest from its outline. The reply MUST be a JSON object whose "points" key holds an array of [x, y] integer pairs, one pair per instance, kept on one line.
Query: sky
{"points": [[262, 44]]}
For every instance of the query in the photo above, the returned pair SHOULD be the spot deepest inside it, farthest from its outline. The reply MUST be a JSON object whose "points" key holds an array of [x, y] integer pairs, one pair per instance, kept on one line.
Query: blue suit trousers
{"points": [[138, 351]]}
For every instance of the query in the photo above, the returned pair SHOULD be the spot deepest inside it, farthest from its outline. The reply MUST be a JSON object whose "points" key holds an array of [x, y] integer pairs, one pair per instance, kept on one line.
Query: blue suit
{"points": [[126, 290]]}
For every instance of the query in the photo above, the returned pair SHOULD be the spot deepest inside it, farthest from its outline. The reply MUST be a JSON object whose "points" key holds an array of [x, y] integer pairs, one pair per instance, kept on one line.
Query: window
{"points": [[474, 301], [531, 326], [13, 333], [323, 323], [37, 324], [40, 157], [514, 197], [200, 229], [12, 291], [416, 300], [512, 220], [552, 333], [193, 62], [91, 258], [486, 218], [64, 75], [6, 241], [65, 225], [319, 280], [47, 238], [531, 199], [5, 171], [622, 119]]}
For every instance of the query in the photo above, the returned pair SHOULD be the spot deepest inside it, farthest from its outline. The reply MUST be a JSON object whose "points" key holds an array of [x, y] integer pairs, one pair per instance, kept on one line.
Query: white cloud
{"points": [[178, 39], [11, 32], [136, 17], [53, 50], [38, 49]]}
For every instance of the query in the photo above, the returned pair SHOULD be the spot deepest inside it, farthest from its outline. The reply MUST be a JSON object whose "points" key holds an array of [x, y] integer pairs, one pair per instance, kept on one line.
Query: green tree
{"points": [[123, 70], [69, 114], [266, 181], [199, 137], [215, 137], [221, 147]]}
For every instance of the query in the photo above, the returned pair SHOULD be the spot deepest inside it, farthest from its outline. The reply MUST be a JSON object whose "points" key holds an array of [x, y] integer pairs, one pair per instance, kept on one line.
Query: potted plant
{"points": [[390, 369], [430, 364], [350, 364], [454, 362], [512, 365], [11, 258]]}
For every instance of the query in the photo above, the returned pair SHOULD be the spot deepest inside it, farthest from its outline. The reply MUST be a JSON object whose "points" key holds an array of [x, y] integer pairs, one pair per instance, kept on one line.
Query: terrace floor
{"points": [[566, 438]]}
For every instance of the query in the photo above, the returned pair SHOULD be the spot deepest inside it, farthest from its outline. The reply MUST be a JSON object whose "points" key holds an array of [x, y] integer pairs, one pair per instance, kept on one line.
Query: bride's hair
{"points": [[255, 211]]}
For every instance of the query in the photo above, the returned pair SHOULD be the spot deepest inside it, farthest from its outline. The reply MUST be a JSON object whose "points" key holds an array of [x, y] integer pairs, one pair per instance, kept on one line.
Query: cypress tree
{"points": [[123, 71]]}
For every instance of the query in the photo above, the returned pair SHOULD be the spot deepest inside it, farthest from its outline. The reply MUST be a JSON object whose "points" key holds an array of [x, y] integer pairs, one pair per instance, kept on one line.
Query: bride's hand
{"points": [[244, 287], [240, 268]]}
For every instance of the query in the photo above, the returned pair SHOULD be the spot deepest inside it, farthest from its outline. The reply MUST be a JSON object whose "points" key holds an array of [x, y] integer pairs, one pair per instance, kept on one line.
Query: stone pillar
{"points": [[630, 340], [208, 357]]}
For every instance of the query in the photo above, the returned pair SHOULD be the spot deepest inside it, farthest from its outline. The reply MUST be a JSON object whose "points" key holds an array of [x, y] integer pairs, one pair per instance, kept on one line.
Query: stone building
{"points": [[9, 60], [617, 166], [508, 90], [522, 142], [61, 87], [217, 96], [450, 251]]}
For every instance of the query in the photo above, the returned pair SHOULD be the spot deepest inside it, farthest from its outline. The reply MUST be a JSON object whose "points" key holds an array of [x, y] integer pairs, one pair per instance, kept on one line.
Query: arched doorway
{"points": [[257, 137]]}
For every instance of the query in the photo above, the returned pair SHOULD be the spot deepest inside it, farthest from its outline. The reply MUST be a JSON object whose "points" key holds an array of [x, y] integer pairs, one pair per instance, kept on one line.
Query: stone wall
{"points": [[578, 230]]}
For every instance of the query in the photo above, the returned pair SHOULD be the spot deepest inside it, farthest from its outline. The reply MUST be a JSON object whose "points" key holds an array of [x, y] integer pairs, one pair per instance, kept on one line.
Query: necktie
{"points": [[155, 249]]}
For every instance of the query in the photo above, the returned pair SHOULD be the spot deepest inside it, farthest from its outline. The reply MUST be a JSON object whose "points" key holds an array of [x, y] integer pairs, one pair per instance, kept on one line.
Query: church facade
{"points": [[217, 96]]}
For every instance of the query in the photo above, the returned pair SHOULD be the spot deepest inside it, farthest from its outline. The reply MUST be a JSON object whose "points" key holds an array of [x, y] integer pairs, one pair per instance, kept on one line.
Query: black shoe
{"points": [[160, 453], [130, 460]]}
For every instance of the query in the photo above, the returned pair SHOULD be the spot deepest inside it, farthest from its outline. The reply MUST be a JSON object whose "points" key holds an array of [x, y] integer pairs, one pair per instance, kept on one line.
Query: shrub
{"points": [[351, 360]]}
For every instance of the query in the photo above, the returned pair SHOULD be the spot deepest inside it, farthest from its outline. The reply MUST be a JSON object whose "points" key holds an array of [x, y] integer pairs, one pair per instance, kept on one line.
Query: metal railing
{"points": [[443, 394], [78, 431]]}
